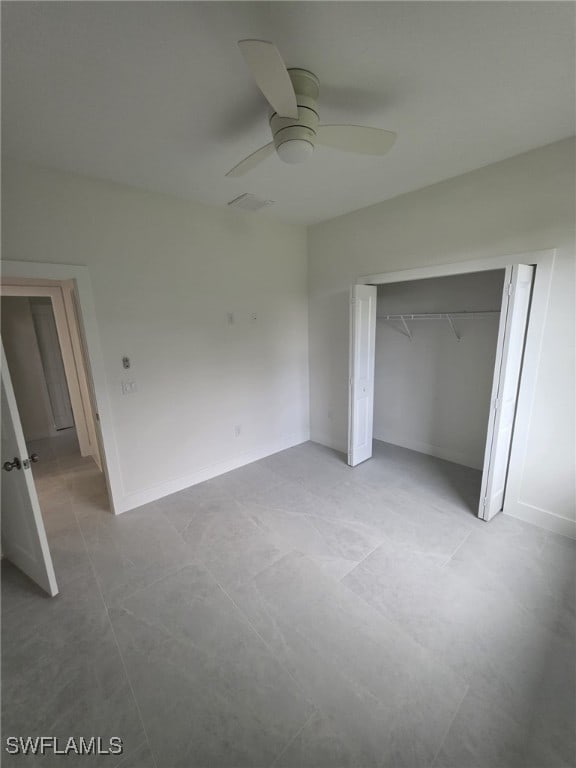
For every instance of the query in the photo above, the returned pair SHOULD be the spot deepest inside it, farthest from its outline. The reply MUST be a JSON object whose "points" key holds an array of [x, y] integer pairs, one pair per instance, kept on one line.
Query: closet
{"points": [[435, 350]]}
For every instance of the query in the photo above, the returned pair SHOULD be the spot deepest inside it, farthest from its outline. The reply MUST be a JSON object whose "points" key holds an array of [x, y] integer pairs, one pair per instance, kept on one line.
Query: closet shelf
{"points": [[448, 316]]}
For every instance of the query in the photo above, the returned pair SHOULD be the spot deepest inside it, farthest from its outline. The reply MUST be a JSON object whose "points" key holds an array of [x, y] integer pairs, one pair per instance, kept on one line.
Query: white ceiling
{"points": [[157, 95]]}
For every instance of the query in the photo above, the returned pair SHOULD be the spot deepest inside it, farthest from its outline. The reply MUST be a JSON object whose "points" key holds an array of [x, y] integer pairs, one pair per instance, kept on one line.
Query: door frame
{"points": [[29, 274], [71, 350], [543, 261]]}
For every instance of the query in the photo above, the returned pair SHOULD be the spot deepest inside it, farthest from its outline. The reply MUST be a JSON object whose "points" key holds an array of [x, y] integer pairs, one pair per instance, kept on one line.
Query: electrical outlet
{"points": [[129, 387], [253, 316], [237, 430]]}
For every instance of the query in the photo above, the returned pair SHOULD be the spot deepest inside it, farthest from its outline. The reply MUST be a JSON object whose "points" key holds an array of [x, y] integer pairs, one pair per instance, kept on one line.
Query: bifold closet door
{"points": [[507, 370], [361, 376]]}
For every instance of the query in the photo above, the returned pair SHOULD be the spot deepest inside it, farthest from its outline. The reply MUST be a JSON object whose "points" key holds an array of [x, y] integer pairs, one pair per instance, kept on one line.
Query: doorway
{"points": [[436, 343], [522, 311], [57, 466]]}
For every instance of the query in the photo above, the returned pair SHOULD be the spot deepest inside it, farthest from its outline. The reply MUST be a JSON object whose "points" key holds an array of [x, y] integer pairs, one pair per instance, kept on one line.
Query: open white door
{"points": [[24, 540], [509, 354], [361, 379]]}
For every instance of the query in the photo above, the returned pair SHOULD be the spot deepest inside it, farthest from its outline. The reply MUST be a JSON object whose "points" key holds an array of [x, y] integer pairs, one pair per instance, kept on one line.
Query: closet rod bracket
{"points": [[454, 331], [406, 329]]}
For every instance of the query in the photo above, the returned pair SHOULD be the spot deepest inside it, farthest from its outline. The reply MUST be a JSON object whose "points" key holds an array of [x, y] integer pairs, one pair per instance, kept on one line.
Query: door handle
{"points": [[14, 464], [32, 458]]}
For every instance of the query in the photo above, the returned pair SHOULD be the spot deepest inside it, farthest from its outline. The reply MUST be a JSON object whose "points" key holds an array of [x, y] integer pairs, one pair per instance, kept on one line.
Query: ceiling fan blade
{"points": [[356, 138], [252, 160], [269, 71]]}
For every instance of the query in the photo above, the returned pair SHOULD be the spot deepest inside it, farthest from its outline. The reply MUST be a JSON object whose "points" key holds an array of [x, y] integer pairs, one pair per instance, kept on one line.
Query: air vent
{"points": [[249, 202]]}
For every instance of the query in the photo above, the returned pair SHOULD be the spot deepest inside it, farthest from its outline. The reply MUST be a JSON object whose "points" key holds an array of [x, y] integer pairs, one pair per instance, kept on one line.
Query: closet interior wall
{"points": [[432, 391]]}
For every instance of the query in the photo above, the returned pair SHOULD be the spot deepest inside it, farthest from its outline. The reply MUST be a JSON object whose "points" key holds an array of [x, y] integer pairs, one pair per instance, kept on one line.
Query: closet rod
{"points": [[440, 315], [449, 316]]}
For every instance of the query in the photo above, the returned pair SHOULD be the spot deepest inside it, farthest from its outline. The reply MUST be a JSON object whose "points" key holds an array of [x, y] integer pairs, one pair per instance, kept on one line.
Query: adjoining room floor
{"points": [[296, 613]]}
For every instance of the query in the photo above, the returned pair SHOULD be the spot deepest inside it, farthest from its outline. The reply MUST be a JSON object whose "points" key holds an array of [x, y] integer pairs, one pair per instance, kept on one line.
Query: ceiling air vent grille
{"points": [[248, 202]]}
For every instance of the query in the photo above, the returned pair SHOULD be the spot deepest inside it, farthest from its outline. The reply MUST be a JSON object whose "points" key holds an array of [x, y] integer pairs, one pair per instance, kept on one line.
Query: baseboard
{"points": [[328, 443], [137, 499], [541, 517], [458, 457], [40, 436]]}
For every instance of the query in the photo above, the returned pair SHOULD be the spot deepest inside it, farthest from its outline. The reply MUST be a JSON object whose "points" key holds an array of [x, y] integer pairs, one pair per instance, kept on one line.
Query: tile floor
{"points": [[295, 613]]}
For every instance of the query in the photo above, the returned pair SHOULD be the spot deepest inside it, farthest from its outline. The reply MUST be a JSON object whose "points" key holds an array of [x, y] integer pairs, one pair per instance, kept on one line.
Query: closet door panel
{"points": [[511, 339], [361, 379]]}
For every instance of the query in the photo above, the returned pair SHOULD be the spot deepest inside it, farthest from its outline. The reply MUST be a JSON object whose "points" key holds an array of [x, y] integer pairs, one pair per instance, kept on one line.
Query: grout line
{"points": [[122, 761], [271, 650], [341, 579], [169, 572], [291, 741], [464, 540], [93, 569], [450, 724]]}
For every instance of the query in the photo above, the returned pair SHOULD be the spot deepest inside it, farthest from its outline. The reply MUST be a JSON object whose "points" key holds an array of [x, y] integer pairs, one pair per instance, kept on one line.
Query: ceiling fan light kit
{"points": [[295, 137], [294, 121], [295, 151]]}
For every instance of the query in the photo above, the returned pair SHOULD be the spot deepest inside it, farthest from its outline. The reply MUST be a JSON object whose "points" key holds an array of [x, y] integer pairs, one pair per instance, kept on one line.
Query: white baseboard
{"points": [[458, 457], [137, 499], [328, 443], [40, 436], [541, 517]]}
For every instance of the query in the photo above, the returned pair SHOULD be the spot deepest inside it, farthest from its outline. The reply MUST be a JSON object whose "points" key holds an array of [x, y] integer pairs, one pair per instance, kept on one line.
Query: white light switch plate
{"points": [[128, 387]]}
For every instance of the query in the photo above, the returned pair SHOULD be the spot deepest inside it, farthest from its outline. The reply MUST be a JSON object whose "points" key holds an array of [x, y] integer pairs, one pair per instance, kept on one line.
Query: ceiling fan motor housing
{"points": [[303, 128]]}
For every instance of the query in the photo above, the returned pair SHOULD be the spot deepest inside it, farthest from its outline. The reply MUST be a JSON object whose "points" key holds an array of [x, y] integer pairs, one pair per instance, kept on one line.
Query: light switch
{"points": [[129, 387]]}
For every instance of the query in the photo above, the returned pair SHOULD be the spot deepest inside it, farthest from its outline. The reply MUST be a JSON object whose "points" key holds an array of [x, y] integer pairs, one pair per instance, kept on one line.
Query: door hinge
{"points": [[496, 403], [510, 289]]}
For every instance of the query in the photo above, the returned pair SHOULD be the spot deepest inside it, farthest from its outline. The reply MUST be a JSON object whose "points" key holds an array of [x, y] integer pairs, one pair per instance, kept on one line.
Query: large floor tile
{"points": [[219, 707], [318, 537], [358, 668], [484, 736], [189, 605], [221, 535], [141, 758], [416, 526], [320, 744], [486, 637], [131, 550], [75, 686], [530, 567]]}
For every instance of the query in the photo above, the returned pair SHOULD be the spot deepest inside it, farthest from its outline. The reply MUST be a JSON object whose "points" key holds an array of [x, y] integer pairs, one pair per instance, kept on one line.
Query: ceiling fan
{"points": [[294, 120]]}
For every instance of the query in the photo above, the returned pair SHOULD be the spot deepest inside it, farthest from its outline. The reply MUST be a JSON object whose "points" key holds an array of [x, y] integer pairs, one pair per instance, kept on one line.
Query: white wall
{"points": [[432, 394], [522, 204], [165, 274], [25, 365]]}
